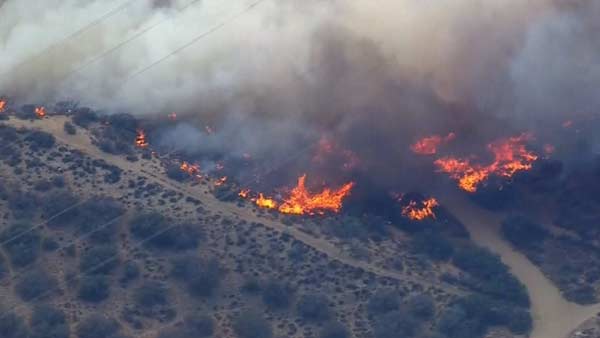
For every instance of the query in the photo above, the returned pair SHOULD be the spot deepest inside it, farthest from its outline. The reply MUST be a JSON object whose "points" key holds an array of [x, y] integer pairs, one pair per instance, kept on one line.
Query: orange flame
{"points": [[221, 181], [244, 193], [301, 201], [420, 211], [192, 169], [140, 139], [429, 145], [2, 105], [510, 156], [264, 202], [40, 112]]}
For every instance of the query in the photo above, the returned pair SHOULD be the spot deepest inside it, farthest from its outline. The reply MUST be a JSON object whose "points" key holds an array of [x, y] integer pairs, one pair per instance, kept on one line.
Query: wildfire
{"points": [[192, 169], [140, 139], [2, 105], [264, 202], [328, 150], [244, 193], [40, 112], [221, 181], [510, 156], [301, 201], [418, 211], [429, 145]]}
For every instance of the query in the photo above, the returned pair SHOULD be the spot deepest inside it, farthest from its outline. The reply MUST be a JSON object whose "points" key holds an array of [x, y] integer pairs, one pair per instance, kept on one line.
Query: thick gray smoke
{"points": [[373, 75]]}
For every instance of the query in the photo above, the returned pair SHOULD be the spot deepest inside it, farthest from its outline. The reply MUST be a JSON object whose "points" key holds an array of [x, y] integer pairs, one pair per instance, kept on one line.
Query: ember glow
{"points": [[301, 201], [418, 211], [192, 169], [2, 105], [140, 139], [220, 181], [429, 145], [510, 157], [40, 112], [244, 193]]}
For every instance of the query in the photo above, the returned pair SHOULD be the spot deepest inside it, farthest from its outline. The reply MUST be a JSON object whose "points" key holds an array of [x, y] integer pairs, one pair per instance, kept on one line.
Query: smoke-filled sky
{"points": [[372, 74]]}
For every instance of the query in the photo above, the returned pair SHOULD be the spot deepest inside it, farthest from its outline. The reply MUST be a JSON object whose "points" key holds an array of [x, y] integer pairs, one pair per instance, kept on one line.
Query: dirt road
{"points": [[554, 317]]}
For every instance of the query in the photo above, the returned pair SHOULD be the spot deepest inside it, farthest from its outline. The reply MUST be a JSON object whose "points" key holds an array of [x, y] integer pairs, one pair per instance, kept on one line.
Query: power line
{"points": [[194, 40], [93, 23]]}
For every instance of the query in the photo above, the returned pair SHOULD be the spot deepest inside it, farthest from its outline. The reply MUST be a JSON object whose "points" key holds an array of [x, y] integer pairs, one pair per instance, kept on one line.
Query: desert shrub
{"points": [[55, 207], [22, 243], [313, 307], [158, 233], [334, 330], [383, 301], [8, 134], [197, 326], [131, 271], [3, 268], [22, 205], [97, 217], [150, 294], [421, 306], [83, 117], [493, 275], [96, 326], [522, 232], [13, 326], [584, 294], [99, 260], [395, 324], [94, 288], [35, 285], [40, 140], [49, 322], [58, 181], [276, 295], [69, 128], [433, 246], [42, 185], [201, 277], [520, 322], [174, 172], [250, 324]]}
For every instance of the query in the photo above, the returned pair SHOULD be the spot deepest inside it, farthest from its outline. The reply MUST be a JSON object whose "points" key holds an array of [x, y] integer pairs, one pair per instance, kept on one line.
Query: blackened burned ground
{"points": [[143, 256]]}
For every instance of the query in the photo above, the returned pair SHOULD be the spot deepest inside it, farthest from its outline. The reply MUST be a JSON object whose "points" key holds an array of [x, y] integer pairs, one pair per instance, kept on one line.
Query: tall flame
{"points": [[510, 157], [429, 145], [140, 139], [40, 112], [418, 211], [301, 201]]}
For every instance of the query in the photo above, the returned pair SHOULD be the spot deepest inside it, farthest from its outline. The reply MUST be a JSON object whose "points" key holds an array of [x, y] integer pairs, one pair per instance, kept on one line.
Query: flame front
{"points": [[140, 139], [429, 145], [301, 201], [244, 193], [418, 211], [510, 157], [40, 112]]}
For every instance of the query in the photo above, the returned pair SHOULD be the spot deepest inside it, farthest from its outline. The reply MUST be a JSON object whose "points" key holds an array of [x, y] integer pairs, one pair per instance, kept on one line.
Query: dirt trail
{"points": [[82, 142], [554, 317]]}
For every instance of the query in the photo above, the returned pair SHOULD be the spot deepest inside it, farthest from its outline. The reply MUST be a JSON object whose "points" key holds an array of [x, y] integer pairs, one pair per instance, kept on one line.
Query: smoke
{"points": [[373, 75]]}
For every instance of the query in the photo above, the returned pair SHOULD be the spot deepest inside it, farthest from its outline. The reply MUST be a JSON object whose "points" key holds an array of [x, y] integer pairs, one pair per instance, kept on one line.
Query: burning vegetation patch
{"points": [[429, 145], [510, 156]]}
